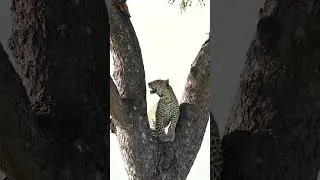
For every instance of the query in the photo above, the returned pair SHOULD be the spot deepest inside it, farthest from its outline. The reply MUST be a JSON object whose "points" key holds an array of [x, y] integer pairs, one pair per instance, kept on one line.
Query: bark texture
{"points": [[144, 156], [16, 124], [274, 130], [54, 127]]}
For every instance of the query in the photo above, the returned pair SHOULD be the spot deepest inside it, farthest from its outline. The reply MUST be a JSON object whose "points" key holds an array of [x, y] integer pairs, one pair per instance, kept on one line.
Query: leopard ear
{"points": [[166, 81]]}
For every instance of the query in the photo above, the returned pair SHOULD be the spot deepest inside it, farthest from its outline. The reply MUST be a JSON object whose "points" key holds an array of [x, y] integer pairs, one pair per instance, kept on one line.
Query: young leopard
{"points": [[165, 112]]}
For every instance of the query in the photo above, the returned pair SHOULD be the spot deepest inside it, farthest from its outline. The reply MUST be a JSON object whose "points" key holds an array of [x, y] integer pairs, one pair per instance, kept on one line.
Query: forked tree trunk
{"points": [[144, 157], [61, 51], [274, 130]]}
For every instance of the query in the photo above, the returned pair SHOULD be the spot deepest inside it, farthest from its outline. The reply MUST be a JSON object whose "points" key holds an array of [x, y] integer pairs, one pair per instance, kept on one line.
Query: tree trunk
{"points": [[144, 156], [60, 51], [274, 130]]}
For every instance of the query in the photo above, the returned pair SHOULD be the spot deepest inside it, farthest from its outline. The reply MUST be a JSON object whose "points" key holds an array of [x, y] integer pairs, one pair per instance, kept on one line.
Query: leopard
{"points": [[165, 113]]}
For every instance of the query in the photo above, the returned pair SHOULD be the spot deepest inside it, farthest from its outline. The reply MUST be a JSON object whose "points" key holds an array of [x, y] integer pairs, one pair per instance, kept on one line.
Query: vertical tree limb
{"points": [[16, 121], [128, 72], [62, 47], [194, 115], [274, 130], [117, 108]]}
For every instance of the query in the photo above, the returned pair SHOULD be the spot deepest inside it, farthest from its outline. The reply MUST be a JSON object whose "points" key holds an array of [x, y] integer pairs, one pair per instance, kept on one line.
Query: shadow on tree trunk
{"points": [[60, 49], [273, 131]]}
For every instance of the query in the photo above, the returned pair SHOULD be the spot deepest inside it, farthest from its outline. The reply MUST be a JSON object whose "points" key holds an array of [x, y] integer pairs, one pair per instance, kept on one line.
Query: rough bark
{"points": [[274, 130], [60, 49], [144, 157], [16, 123]]}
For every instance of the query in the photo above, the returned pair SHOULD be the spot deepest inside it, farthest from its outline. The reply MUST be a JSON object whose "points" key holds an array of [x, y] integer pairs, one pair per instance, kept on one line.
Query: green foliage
{"points": [[185, 3]]}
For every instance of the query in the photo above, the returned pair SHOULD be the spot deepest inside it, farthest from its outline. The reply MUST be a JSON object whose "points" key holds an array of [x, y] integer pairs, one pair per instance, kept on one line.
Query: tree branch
{"points": [[117, 108], [16, 121], [277, 105], [129, 72], [29, 55], [194, 111], [62, 50]]}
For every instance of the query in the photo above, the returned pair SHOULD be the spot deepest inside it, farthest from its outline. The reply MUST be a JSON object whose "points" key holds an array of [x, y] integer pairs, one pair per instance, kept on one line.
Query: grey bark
{"points": [[54, 127], [273, 131], [144, 156]]}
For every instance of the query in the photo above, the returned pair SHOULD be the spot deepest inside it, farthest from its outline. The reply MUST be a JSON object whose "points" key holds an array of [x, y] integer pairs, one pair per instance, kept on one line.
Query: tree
{"points": [[144, 157], [273, 131], [53, 108]]}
